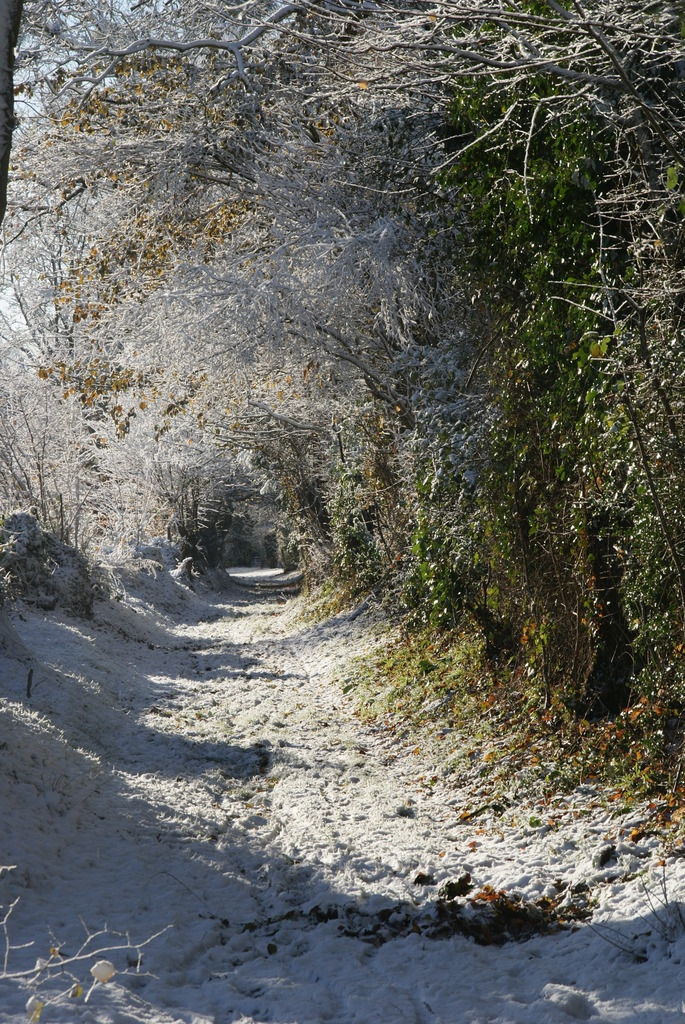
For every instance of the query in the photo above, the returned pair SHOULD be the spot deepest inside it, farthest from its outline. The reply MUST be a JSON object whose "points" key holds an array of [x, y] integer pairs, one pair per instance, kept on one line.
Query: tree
{"points": [[567, 155], [245, 203], [462, 222], [10, 18]]}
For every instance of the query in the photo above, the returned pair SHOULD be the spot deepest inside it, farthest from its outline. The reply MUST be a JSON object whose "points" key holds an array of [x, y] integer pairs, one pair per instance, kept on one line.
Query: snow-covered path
{"points": [[185, 766]]}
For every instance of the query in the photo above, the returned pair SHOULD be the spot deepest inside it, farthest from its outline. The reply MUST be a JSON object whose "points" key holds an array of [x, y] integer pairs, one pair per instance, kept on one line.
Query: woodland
{"points": [[390, 291]]}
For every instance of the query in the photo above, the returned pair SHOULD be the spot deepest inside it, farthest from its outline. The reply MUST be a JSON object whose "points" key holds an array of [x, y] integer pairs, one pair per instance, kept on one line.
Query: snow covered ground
{"points": [[186, 794]]}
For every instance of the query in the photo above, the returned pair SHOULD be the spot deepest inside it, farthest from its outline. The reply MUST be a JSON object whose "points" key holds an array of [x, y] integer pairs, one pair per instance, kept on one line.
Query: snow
{"points": [[187, 795]]}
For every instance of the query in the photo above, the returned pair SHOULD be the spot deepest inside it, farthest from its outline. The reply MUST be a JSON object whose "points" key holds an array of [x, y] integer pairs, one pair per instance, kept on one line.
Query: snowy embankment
{"points": [[187, 794]]}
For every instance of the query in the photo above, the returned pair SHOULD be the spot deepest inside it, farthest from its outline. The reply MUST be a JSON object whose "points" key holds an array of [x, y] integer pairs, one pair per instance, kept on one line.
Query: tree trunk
{"points": [[10, 17]]}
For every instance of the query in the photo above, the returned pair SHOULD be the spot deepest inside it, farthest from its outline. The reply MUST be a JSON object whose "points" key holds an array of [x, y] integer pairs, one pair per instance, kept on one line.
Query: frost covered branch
{"points": [[60, 966]]}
